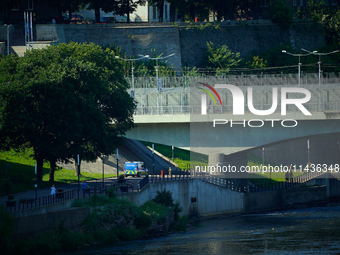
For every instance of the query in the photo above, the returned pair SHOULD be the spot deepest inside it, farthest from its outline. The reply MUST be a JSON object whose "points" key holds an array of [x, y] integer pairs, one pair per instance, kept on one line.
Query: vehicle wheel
{"points": [[138, 175]]}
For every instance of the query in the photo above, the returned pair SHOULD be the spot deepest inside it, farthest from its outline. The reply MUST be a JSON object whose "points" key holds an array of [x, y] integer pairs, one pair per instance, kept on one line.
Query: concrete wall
{"points": [[72, 217], [42, 209], [133, 40], [187, 43], [210, 199], [323, 149], [284, 199], [246, 38], [331, 181]]}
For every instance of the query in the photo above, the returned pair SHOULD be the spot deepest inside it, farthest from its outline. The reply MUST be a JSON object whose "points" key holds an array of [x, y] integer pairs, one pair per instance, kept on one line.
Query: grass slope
{"points": [[19, 168]]}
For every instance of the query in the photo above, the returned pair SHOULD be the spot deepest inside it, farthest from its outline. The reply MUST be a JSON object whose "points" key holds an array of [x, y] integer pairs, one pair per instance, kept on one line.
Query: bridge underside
{"points": [[198, 137]]}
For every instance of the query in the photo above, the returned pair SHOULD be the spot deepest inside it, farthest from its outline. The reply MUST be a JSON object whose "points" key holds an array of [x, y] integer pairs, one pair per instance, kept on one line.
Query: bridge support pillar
{"points": [[229, 166]]}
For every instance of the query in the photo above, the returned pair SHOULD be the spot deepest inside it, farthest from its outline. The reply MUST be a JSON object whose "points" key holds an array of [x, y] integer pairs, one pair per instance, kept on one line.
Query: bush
{"points": [[164, 198], [221, 58], [111, 192], [181, 224], [143, 220], [6, 225]]}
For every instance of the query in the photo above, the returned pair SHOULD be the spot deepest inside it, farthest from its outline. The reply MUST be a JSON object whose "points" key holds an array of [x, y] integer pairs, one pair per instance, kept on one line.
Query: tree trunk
{"points": [[40, 164], [128, 12], [160, 12], [76, 167], [192, 12], [52, 168], [172, 12]]}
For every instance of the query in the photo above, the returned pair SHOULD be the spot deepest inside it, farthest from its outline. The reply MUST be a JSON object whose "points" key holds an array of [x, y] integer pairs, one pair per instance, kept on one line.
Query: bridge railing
{"points": [[218, 109], [260, 79]]}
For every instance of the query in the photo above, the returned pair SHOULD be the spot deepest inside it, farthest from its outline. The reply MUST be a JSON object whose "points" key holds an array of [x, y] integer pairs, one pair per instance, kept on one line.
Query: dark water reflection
{"points": [[303, 231]]}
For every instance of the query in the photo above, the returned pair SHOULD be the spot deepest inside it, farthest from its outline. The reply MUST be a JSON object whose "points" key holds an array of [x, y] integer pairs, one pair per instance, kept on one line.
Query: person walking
{"points": [[53, 191], [84, 187]]}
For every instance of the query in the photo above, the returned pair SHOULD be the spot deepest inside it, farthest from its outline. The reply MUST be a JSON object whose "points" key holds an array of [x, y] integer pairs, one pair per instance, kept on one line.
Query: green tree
{"points": [[256, 62], [281, 14], [64, 101], [119, 7], [65, 6], [316, 10], [221, 58]]}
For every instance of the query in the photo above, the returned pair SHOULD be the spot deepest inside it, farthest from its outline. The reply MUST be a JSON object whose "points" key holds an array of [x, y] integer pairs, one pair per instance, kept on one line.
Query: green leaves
{"points": [[221, 58], [64, 99]]}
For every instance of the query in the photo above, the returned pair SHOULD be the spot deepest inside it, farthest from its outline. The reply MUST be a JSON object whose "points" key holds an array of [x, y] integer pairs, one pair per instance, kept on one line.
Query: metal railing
{"points": [[228, 109], [235, 186], [30, 203], [281, 79]]}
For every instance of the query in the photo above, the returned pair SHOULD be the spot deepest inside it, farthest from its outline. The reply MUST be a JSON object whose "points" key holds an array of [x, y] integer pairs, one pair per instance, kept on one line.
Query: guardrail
{"points": [[208, 76], [234, 186], [30, 203], [196, 109]]}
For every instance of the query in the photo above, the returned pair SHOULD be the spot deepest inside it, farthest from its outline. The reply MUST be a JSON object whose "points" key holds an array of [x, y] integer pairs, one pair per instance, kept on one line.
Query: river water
{"points": [[301, 231]]}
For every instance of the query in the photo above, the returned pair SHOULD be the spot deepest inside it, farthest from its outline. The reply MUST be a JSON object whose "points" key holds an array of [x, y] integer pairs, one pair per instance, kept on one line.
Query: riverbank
{"points": [[108, 221], [313, 230]]}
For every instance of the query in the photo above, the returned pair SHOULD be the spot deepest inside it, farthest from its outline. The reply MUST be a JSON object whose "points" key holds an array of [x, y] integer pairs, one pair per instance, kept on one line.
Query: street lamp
{"points": [[8, 27], [132, 69], [299, 64], [103, 159], [319, 63], [158, 58]]}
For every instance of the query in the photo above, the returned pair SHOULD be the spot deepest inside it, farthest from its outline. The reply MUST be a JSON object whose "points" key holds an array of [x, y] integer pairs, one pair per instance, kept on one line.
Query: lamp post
{"points": [[8, 27], [117, 164], [299, 64], [319, 63], [103, 158], [158, 58], [132, 71]]}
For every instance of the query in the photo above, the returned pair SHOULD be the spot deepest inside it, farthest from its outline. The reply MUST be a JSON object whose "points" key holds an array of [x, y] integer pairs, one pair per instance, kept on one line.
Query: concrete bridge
{"points": [[172, 115]]}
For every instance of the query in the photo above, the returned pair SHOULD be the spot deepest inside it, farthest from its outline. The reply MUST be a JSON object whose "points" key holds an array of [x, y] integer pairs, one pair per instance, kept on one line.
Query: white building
{"points": [[148, 13], [144, 13]]}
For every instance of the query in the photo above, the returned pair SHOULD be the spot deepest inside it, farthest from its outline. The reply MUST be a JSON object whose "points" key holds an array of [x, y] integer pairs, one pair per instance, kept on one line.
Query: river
{"points": [[301, 231]]}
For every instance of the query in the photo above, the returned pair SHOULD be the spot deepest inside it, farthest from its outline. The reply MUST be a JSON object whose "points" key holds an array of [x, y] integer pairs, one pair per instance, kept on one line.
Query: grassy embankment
{"points": [[20, 171]]}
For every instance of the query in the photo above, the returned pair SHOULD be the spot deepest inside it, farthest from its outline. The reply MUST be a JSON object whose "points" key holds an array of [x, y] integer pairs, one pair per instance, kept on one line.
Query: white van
{"points": [[134, 168]]}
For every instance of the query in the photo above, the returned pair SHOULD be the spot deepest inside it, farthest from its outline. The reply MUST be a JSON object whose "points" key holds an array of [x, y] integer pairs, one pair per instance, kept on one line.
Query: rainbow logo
{"points": [[204, 97]]}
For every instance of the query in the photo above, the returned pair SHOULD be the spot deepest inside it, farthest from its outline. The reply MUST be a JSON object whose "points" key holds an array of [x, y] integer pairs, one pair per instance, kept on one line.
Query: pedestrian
{"points": [[136, 104], [84, 186], [290, 174], [170, 170], [53, 191], [287, 176]]}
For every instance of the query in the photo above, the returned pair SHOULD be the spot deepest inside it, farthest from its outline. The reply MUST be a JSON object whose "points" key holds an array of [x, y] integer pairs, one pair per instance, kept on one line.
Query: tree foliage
{"points": [[221, 58], [64, 101], [281, 14]]}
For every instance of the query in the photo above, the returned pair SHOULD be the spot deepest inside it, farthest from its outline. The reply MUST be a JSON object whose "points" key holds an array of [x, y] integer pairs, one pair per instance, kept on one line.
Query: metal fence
{"points": [[235, 186], [138, 185], [218, 109], [30, 203], [281, 79]]}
